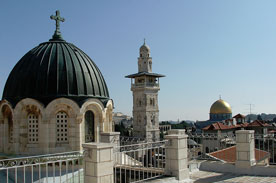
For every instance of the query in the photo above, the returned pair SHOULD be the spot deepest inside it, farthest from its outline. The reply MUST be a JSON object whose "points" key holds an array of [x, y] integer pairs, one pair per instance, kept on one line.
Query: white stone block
{"points": [[242, 156], [244, 147], [89, 179], [105, 155], [177, 153], [179, 164], [89, 169], [182, 143], [105, 168], [183, 174], [176, 132], [106, 179], [242, 138]]}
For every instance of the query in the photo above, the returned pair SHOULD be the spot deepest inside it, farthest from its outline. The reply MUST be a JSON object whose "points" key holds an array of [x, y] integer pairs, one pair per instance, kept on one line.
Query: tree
{"points": [[259, 117]]}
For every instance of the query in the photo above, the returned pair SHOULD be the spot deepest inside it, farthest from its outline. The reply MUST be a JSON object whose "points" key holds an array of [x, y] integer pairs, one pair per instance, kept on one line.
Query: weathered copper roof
{"points": [[52, 70]]}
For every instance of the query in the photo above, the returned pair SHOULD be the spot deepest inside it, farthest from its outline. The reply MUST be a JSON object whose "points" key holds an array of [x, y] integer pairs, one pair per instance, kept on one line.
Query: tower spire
{"points": [[145, 87], [58, 19]]}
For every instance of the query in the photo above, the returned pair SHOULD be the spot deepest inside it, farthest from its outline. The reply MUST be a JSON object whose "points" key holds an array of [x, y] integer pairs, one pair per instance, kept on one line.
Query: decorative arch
{"points": [[26, 106], [62, 104], [89, 119], [109, 126], [28, 115], [7, 127], [4, 103], [97, 108], [62, 116]]}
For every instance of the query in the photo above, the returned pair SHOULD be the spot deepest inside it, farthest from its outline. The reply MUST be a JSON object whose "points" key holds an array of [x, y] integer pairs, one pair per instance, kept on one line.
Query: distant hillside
{"points": [[263, 116]]}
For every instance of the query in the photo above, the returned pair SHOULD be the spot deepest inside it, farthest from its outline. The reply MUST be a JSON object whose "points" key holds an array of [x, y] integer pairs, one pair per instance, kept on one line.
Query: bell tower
{"points": [[145, 87]]}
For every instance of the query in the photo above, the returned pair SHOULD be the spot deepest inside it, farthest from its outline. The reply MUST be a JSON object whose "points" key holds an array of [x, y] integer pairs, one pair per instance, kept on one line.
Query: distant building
{"points": [[164, 127], [122, 119], [224, 133], [145, 87]]}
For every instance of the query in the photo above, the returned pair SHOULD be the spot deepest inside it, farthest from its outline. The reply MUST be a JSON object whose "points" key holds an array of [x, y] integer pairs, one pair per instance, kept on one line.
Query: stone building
{"points": [[145, 87], [54, 100]]}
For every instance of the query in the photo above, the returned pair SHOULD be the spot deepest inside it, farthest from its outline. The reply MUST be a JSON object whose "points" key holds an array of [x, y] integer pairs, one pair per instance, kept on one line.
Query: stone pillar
{"points": [[5, 136], [177, 155], [44, 141], [2, 137], [245, 149], [98, 163], [111, 137]]}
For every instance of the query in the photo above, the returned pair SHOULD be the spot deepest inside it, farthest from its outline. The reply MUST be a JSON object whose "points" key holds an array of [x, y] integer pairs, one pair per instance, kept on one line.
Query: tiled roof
{"points": [[257, 123], [243, 125], [229, 154], [219, 126], [239, 116]]}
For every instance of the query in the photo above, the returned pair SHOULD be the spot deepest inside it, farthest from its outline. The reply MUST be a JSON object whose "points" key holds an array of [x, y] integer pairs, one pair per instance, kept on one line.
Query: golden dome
{"points": [[220, 107]]}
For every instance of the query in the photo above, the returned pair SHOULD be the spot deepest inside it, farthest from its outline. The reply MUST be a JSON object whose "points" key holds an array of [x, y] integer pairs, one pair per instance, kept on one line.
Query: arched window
{"points": [[32, 128], [89, 127], [62, 127], [7, 114]]}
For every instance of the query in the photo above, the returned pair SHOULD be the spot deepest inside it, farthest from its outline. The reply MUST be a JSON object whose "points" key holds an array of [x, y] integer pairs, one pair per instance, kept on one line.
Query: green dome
{"points": [[52, 70]]}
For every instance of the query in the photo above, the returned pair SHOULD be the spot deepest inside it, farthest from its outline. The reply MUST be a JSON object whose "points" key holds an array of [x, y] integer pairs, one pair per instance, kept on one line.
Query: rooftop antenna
{"points": [[220, 97], [250, 107]]}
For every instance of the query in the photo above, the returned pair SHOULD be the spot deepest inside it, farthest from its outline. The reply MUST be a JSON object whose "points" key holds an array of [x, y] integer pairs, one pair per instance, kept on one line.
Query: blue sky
{"points": [[205, 48]]}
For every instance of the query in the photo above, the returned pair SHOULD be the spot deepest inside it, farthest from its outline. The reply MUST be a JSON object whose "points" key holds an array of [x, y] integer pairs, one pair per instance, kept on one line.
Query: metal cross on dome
{"points": [[57, 18]]}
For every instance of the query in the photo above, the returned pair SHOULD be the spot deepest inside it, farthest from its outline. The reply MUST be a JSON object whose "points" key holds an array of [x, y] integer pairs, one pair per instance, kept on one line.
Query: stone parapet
{"points": [[177, 155], [111, 137], [245, 148], [98, 163]]}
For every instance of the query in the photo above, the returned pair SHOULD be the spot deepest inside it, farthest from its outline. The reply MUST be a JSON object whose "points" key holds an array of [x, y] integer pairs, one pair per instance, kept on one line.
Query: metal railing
{"points": [[266, 143], [139, 162], [145, 84], [124, 140], [60, 167], [201, 145]]}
